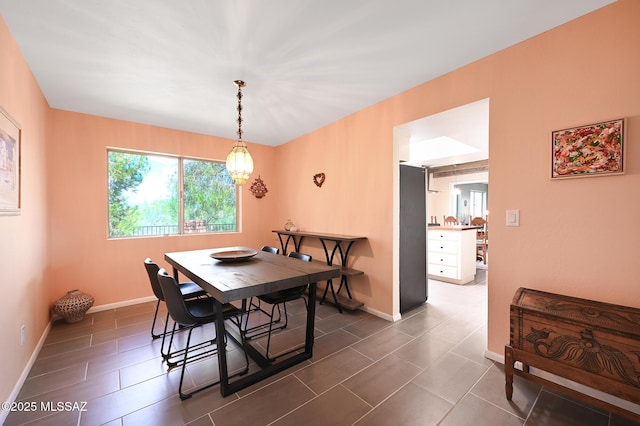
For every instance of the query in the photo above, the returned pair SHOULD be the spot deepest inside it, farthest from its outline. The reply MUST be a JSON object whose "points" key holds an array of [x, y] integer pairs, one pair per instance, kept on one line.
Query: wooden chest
{"points": [[592, 343]]}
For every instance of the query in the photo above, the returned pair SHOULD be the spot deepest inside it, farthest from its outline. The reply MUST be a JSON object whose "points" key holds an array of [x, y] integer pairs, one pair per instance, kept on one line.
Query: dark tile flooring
{"points": [[426, 369]]}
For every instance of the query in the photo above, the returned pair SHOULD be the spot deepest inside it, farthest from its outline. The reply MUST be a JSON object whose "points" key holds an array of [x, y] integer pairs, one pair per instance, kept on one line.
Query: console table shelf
{"points": [[342, 245]]}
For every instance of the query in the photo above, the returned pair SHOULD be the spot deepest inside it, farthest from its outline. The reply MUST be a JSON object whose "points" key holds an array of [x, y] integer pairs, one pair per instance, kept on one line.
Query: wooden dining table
{"points": [[237, 278]]}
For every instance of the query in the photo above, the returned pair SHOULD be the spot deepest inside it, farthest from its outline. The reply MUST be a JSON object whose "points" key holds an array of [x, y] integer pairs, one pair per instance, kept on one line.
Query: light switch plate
{"points": [[513, 217]]}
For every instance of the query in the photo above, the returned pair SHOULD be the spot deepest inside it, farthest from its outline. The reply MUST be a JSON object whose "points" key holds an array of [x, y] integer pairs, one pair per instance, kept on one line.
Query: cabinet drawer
{"points": [[444, 235], [445, 259], [443, 271], [443, 246]]}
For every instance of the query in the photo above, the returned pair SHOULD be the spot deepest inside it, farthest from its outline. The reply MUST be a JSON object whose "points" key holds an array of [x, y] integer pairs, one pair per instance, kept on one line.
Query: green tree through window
{"points": [[145, 196], [209, 193], [125, 174]]}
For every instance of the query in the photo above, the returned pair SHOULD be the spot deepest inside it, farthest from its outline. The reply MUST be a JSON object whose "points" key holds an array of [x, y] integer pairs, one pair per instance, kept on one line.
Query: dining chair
{"points": [[189, 290], [275, 299], [270, 249], [482, 236], [252, 305], [192, 313], [450, 220]]}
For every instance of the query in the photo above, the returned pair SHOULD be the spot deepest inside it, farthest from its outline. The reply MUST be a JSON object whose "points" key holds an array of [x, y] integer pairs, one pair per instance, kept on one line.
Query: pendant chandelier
{"points": [[239, 161]]}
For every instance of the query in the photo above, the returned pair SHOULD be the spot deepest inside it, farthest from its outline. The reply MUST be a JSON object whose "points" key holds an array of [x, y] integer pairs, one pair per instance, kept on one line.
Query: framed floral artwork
{"points": [[592, 150], [10, 133]]}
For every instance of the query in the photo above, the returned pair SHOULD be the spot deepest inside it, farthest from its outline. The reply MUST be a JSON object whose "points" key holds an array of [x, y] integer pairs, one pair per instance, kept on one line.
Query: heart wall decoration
{"points": [[318, 179]]}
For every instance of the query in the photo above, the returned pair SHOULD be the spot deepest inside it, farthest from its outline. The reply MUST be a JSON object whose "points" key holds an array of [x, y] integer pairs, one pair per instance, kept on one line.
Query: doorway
{"points": [[447, 139]]}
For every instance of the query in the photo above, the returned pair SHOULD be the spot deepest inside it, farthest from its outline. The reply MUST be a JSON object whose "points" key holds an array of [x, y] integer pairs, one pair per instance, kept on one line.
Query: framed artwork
{"points": [[592, 150], [10, 133]]}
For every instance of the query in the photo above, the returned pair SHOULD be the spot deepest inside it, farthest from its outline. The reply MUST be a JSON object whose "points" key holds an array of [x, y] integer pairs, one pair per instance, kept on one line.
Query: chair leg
{"points": [[164, 354], [247, 331], [153, 324], [270, 331], [238, 323], [270, 358], [220, 345], [184, 396]]}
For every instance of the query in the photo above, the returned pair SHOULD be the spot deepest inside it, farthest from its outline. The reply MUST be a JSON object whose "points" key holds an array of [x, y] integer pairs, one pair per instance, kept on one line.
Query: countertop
{"points": [[452, 228]]}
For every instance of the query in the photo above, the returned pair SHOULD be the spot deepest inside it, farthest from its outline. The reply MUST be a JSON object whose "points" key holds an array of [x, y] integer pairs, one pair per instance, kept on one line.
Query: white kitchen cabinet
{"points": [[452, 254]]}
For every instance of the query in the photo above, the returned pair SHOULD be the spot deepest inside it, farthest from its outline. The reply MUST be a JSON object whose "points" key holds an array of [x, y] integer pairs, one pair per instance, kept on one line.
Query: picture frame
{"points": [[10, 155], [591, 150]]}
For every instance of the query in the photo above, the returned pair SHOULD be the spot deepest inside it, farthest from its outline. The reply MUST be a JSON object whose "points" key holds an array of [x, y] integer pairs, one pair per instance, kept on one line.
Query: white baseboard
{"points": [[493, 356], [121, 304], [379, 314], [25, 372]]}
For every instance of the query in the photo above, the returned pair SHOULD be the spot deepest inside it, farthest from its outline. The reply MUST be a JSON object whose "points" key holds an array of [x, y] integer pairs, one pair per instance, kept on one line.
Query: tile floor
{"points": [[427, 369]]}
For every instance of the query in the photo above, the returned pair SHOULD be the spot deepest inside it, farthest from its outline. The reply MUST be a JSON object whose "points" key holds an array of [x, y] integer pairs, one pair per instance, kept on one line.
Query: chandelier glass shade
{"points": [[239, 160]]}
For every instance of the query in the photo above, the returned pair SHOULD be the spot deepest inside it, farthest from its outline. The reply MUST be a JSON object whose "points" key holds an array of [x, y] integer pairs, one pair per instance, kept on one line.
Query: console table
{"points": [[342, 245]]}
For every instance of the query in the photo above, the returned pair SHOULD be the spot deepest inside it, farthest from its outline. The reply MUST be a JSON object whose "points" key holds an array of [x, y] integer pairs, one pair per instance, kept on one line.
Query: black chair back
{"points": [[301, 256], [270, 249], [174, 300], [152, 270], [298, 291]]}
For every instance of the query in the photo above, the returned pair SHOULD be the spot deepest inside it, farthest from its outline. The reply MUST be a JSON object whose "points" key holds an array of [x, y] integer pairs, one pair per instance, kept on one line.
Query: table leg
{"points": [[222, 352], [267, 369], [311, 318]]}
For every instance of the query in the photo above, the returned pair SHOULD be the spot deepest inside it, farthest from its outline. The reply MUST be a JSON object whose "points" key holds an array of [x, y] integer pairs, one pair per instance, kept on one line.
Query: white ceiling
{"points": [[456, 136], [307, 63]]}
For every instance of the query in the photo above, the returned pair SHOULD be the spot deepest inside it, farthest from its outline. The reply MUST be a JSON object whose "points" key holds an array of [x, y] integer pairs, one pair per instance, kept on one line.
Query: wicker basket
{"points": [[72, 306]]}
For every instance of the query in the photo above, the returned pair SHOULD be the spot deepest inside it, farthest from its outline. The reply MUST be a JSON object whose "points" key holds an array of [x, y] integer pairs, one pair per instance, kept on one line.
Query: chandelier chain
{"points": [[240, 85]]}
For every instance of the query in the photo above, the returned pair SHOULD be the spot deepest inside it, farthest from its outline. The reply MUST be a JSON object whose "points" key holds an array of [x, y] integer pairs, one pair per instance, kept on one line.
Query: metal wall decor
{"points": [[258, 188], [318, 179]]}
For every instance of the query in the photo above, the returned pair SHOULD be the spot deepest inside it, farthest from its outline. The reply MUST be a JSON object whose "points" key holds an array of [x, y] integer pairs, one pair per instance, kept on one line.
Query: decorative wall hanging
{"points": [[258, 188], [10, 141], [318, 179], [592, 150]]}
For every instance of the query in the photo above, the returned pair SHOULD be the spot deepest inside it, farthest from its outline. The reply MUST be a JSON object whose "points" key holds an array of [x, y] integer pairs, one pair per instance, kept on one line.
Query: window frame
{"points": [[180, 195]]}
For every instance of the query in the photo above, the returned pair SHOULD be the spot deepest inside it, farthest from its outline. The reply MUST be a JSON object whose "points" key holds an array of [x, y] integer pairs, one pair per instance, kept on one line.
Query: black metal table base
{"points": [[267, 368]]}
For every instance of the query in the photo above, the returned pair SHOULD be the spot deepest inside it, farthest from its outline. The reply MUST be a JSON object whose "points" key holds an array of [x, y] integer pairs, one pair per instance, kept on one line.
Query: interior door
{"points": [[413, 237]]}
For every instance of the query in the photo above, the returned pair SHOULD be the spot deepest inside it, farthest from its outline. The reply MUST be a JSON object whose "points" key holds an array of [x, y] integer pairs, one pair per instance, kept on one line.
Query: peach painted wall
{"points": [[112, 271], [577, 237], [355, 198], [23, 244]]}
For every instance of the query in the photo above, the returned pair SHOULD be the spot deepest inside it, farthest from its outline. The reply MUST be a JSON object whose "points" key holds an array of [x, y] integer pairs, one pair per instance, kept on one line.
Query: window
{"points": [[478, 203], [154, 194]]}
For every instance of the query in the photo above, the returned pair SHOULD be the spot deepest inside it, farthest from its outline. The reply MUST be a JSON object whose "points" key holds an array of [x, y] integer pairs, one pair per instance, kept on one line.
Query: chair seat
{"points": [[203, 310], [189, 289], [281, 296], [275, 299]]}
